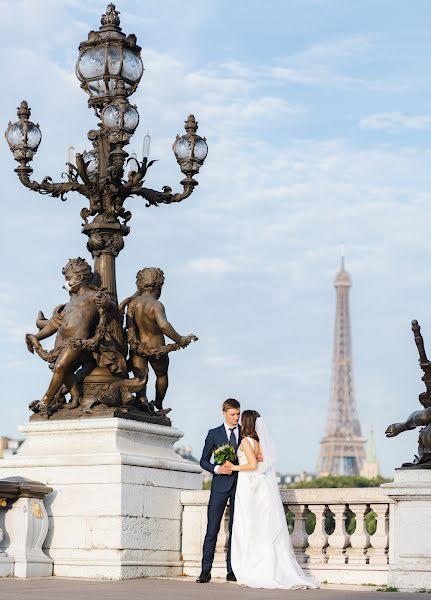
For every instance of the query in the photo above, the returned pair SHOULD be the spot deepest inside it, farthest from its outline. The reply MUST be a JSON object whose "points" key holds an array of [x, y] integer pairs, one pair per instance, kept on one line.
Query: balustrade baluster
{"points": [[359, 539], [194, 524], [378, 553], [299, 534], [222, 538], [339, 540], [318, 540]]}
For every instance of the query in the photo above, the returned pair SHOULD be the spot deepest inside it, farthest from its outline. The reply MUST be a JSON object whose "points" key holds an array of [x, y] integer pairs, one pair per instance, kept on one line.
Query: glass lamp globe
{"points": [[106, 58], [120, 115], [91, 163], [23, 136], [190, 149]]}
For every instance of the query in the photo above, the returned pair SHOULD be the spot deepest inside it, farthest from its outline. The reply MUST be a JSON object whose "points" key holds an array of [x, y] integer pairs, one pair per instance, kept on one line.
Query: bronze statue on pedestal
{"points": [[419, 418], [89, 359]]}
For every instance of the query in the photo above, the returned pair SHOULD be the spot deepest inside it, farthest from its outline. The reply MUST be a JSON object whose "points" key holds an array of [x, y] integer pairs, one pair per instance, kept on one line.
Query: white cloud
{"points": [[231, 360], [341, 48], [211, 266], [285, 371], [394, 122]]}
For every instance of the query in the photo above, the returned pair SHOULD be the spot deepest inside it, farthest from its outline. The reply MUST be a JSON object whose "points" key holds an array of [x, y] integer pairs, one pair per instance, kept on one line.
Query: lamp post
{"points": [[109, 67], [89, 357]]}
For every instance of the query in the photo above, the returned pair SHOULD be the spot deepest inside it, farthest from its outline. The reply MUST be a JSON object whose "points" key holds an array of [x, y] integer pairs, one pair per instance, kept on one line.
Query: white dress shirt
{"points": [[236, 434]]}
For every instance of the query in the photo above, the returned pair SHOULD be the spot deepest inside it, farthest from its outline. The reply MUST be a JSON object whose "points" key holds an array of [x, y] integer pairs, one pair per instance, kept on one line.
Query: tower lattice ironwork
{"points": [[342, 449]]}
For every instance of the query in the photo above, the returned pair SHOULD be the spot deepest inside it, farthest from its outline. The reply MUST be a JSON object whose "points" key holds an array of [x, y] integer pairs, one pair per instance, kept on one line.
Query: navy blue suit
{"points": [[223, 488]]}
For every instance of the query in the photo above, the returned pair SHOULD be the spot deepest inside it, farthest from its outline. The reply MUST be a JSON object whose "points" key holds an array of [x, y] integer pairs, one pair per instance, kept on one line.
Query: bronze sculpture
{"points": [[147, 325], [419, 418], [89, 360], [88, 334]]}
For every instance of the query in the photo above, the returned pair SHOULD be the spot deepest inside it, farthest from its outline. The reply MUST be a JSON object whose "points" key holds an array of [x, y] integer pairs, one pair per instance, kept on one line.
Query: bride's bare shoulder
{"points": [[249, 443], [246, 443]]}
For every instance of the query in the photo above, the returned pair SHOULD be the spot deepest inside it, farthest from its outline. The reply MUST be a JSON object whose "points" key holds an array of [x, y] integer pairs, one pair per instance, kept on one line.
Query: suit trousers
{"points": [[216, 507]]}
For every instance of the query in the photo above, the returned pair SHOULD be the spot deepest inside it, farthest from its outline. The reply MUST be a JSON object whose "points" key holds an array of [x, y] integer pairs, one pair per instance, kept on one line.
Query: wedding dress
{"points": [[262, 552]]}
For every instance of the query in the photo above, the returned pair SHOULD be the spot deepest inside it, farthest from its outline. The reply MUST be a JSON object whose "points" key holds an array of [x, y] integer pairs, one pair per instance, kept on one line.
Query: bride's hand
{"points": [[259, 457], [224, 470], [230, 465]]}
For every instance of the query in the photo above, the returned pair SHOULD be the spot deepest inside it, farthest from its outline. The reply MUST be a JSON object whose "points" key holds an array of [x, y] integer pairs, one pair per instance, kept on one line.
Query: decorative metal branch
{"points": [[47, 186]]}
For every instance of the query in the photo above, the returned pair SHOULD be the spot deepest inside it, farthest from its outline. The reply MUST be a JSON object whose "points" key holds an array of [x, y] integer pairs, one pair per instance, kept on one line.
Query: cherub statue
{"points": [[147, 325], [88, 334], [419, 418]]}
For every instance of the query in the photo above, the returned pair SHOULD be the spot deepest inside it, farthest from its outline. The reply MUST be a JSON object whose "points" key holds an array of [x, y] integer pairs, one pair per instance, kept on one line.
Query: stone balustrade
{"points": [[23, 528], [334, 536]]}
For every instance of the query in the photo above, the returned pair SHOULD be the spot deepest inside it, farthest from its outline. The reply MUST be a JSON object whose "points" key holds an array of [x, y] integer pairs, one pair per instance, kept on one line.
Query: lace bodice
{"points": [[242, 459]]}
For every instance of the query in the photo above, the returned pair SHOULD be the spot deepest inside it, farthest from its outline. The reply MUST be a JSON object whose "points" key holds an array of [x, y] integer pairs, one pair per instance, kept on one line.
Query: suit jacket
{"points": [[218, 437]]}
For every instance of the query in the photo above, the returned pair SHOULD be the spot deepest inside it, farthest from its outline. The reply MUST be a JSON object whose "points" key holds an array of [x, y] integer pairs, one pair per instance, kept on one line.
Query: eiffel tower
{"points": [[342, 449]]}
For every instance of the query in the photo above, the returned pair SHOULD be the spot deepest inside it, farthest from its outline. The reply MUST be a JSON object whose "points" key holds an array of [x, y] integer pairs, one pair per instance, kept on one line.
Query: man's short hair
{"points": [[231, 403]]}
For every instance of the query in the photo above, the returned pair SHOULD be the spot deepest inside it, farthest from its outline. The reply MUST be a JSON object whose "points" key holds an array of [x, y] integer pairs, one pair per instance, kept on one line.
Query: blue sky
{"points": [[317, 117]]}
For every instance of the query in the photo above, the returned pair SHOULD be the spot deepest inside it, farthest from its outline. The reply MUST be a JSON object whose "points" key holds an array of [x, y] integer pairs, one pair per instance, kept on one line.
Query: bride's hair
{"points": [[248, 424]]}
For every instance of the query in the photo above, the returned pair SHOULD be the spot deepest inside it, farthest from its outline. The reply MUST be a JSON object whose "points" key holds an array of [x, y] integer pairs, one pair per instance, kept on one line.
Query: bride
{"points": [[262, 552]]}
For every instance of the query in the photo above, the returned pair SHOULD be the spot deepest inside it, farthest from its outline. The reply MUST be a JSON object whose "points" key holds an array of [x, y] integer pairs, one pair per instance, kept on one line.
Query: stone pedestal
{"points": [[115, 511], [410, 530]]}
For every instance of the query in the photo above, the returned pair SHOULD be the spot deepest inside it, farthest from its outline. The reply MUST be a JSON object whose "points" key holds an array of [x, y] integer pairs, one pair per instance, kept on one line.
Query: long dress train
{"points": [[262, 552]]}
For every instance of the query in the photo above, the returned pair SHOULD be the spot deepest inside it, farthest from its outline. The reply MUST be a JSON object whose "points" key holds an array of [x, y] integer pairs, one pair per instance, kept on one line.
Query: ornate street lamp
{"points": [[109, 67], [106, 58], [93, 366]]}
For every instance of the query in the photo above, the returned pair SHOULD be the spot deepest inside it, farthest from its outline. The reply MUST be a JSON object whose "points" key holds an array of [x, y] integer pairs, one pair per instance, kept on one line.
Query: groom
{"points": [[223, 486]]}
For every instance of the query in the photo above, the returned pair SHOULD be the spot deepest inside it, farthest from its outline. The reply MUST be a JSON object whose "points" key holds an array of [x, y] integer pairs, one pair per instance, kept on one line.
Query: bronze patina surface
{"points": [[147, 325], [94, 351], [419, 418]]}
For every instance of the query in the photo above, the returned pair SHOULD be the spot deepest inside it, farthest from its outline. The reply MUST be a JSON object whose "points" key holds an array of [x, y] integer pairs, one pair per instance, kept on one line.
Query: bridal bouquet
{"points": [[224, 453]]}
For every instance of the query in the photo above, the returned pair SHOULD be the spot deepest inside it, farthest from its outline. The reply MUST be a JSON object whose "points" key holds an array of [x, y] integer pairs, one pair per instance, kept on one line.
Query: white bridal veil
{"points": [[267, 446], [262, 553], [289, 573]]}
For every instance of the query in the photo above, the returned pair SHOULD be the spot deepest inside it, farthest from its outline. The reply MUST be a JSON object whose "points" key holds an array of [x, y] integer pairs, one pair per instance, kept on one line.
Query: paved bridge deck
{"points": [[183, 588]]}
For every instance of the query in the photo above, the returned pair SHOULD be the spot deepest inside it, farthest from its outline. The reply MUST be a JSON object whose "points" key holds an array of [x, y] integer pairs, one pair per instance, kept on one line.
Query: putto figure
{"points": [[147, 325], [88, 332]]}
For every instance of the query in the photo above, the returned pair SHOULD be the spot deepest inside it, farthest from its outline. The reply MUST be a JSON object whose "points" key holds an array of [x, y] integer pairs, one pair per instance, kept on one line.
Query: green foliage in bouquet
{"points": [[224, 453]]}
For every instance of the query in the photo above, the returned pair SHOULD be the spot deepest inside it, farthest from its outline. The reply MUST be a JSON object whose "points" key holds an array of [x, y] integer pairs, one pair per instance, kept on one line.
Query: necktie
{"points": [[232, 439]]}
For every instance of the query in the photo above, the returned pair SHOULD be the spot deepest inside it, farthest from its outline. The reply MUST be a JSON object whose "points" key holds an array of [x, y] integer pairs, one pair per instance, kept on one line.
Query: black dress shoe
{"points": [[204, 577], [230, 576]]}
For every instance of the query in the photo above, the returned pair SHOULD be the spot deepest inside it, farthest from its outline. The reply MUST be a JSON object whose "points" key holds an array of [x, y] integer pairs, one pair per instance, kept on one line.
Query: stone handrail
{"points": [[23, 528], [329, 551]]}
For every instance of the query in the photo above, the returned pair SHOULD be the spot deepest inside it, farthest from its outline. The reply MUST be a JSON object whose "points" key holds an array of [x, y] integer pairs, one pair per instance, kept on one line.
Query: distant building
{"points": [[186, 453], [288, 478], [371, 468], [9, 446]]}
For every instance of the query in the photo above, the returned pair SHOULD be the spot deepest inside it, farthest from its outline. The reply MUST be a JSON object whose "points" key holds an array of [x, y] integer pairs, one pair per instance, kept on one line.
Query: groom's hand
{"points": [[259, 457], [225, 470]]}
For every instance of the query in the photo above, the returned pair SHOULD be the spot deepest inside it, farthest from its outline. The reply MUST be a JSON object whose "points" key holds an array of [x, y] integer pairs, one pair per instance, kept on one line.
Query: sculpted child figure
{"points": [[147, 325], [74, 323]]}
